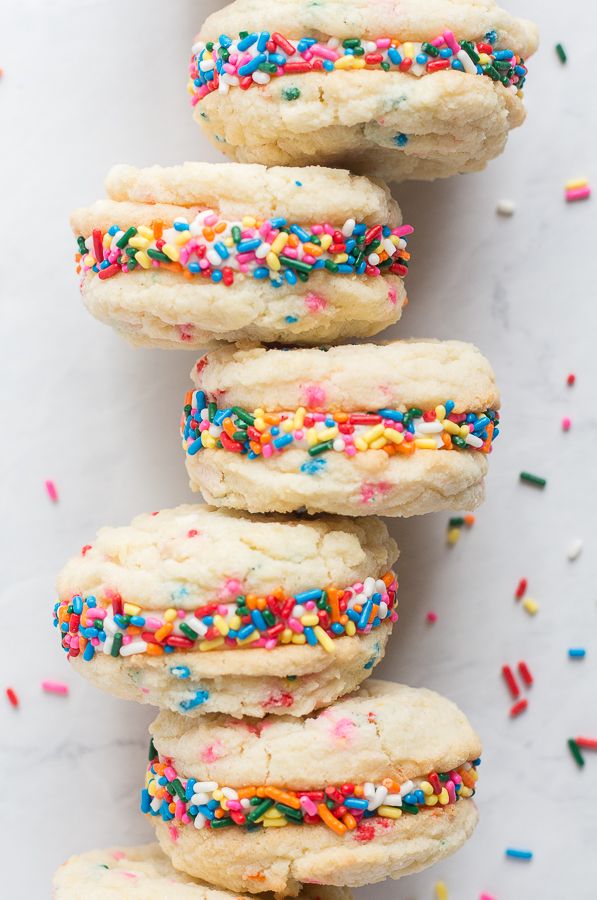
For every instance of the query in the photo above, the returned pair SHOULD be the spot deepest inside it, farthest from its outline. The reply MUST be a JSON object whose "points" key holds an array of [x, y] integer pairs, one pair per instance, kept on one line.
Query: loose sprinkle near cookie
{"points": [[51, 491], [574, 549], [521, 589], [256, 59], [530, 606], [535, 480], [342, 808], [259, 434], [525, 673], [221, 251], [55, 687], [576, 754], [578, 189], [508, 676], [571, 379], [316, 617], [505, 208], [513, 853], [577, 652], [566, 424], [561, 53], [12, 697], [519, 707], [587, 743]]}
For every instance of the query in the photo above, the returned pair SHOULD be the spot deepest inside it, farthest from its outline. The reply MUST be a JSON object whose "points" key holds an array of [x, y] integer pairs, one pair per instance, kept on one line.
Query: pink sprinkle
{"points": [[324, 52], [173, 833], [383, 43], [486, 897], [314, 395], [392, 296], [315, 302], [566, 424], [308, 806], [55, 687], [431, 617], [582, 193], [51, 491]]}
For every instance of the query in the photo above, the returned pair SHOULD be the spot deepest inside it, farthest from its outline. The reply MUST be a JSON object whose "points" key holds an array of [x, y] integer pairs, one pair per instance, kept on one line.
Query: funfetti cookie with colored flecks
{"points": [[179, 256], [395, 89], [199, 610]]}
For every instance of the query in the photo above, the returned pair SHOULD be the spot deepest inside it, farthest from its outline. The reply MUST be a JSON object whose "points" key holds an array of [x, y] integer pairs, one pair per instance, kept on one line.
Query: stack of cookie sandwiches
{"points": [[254, 623]]}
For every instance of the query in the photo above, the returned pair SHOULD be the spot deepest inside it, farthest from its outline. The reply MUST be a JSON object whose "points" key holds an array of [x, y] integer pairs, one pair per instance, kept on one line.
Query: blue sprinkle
{"points": [[194, 267], [355, 803], [137, 621], [344, 268], [445, 53], [190, 788], [198, 699], [165, 813], [180, 671], [290, 276], [456, 64], [338, 628], [577, 652], [519, 854], [328, 65], [503, 54], [305, 596], [262, 42], [221, 415], [89, 652], [261, 273], [224, 41], [91, 602], [113, 229], [449, 406], [283, 441], [248, 41], [278, 59], [195, 447], [305, 43], [145, 801], [279, 222], [246, 631], [400, 139], [77, 605], [299, 183], [491, 37], [221, 249], [394, 56], [313, 466], [421, 58], [359, 230], [291, 319], [310, 635], [248, 245], [300, 233], [366, 612], [258, 620]]}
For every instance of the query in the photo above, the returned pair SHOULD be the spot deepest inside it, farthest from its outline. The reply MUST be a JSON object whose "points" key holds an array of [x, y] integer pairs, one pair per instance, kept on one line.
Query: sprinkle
{"points": [[469, 520], [486, 897], [521, 589], [587, 743], [51, 491], [431, 617], [533, 479], [55, 687], [577, 652], [525, 673], [571, 379], [578, 189], [574, 549], [505, 208], [576, 754], [12, 697], [518, 708], [512, 853], [453, 536], [441, 890], [510, 680], [530, 606], [561, 53]]}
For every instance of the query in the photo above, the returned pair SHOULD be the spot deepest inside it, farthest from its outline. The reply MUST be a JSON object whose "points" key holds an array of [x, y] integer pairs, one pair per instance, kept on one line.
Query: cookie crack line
{"points": [[258, 59]]}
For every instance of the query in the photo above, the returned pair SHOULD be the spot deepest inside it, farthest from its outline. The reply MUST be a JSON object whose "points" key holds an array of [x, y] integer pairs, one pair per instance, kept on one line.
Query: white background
{"points": [[90, 83]]}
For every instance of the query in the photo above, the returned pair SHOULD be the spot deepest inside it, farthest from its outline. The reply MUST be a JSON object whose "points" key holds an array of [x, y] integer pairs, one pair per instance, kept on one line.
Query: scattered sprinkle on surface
{"points": [[51, 491], [505, 208], [12, 697], [576, 754], [514, 853], [55, 687], [536, 480], [574, 549]]}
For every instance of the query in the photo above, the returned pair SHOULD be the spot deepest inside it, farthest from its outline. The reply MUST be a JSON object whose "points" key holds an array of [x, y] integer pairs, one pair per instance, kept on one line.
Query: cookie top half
{"points": [[399, 374], [411, 19], [384, 730], [194, 554]]}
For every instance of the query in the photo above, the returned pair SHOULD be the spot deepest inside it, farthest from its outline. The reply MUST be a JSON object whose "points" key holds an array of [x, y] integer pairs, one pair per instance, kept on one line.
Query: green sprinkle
{"points": [[239, 436], [492, 72], [188, 631], [561, 53], [243, 415], [303, 276], [152, 753], [116, 644], [359, 51], [296, 264], [410, 808], [243, 34], [469, 48], [236, 234], [575, 751], [290, 812], [128, 234], [429, 49], [211, 411], [291, 677], [269, 617], [178, 788], [323, 600], [291, 93], [321, 448], [456, 522], [331, 266], [458, 441], [221, 823], [351, 43], [157, 254], [81, 243], [259, 810], [532, 479], [209, 46], [270, 68], [385, 66]]}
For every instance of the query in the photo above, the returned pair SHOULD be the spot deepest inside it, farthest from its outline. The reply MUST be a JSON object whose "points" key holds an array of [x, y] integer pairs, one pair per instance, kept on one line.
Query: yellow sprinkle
{"points": [[431, 800], [131, 609], [170, 615], [312, 437], [249, 640], [299, 417], [229, 242], [236, 623], [373, 433], [453, 536], [396, 437], [286, 636], [151, 788], [444, 797], [249, 222], [324, 639], [389, 812], [440, 412], [211, 645], [351, 628], [576, 183], [299, 639], [145, 232], [139, 242], [340, 258], [378, 444], [273, 262], [310, 620], [531, 606], [346, 62], [326, 241], [258, 413], [280, 242], [464, 431], [465, 791], [274, 823], [484, 59], [259, 424], [144, 261], [441, 891], [450, 427], [221, 625], [426, 788], [182, 238], [207, 440], [89, 260], [327, 434], [272, 813], [107, 239], [425, 444], [409, 50], [171, 252], [218, 794], [287, 425], [223, 803], [361, 444]]}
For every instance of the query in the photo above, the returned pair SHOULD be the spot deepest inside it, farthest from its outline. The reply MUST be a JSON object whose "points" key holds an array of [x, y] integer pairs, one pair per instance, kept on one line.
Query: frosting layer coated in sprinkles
{"points": [[235, 620], [256, 58], [262, 434], [213, 248], [343, 808]]}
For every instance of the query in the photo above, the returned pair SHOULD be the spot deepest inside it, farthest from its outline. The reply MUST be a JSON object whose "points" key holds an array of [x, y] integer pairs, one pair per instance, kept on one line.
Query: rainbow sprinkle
{"points": [[261, 434], [343, 808], [314, 617], [256, 58], [272, 250]]}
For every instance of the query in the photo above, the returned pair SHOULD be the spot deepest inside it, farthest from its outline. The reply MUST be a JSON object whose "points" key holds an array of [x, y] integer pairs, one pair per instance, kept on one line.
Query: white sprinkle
{"points": [[137, 646], [200, 821], [373, 259], [206, 65], [339, 445], [223, 87], [505, 208], [574, 549], [261, 77], [207, 786], [348, 227], [262, 251], [473, 441]]}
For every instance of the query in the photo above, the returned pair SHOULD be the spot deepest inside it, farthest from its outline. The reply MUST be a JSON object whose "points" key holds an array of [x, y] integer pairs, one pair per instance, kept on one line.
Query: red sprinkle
{"points": [[12, 698], [510, 680], [525, 673], [108, 272], [521, 589], [431, 617], [283, 44], [566, 424], [518, 708], [570, 381], [587, 743], [437, 64], [51, 491]]}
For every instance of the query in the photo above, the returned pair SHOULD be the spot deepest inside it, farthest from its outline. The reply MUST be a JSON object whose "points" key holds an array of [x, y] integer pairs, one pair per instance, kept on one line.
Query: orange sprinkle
{"points": [[255, 447], [171, 267], [272, 418], [158, 228], [407, 448], [219, 813], [333, 599], [390, 449], [154, 650], [469, 520], [349, 821], [220, 227], [358, 790], [446, 440], [293, 241], [247, 792], [313, 249], [487, 445], [265, 438], [388, 578], [251, 601], [330, 819], [261, 603], [229, 427], [282, 797], [164, 632], [208, 234]]}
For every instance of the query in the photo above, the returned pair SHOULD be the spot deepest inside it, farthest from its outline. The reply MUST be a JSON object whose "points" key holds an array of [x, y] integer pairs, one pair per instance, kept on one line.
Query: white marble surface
{"points": [[89, 83]]}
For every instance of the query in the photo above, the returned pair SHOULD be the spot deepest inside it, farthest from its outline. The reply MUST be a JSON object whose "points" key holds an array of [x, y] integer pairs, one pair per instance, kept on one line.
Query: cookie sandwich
{"points": [[395, 429], [399, 90], [378, 785], [198, 610], [179, 256], [145, 873]]}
